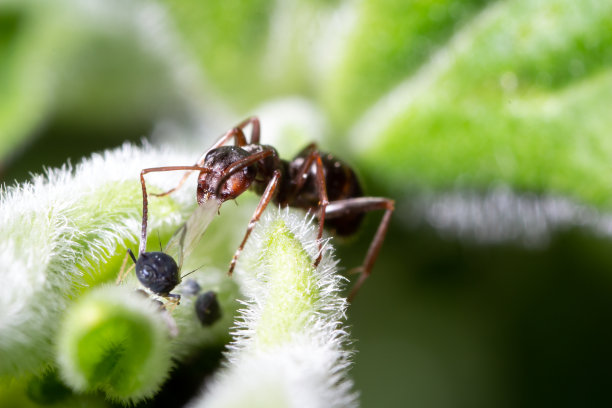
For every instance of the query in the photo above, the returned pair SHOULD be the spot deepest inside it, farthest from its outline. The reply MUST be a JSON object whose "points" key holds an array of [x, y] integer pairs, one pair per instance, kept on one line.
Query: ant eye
{"points": [[207, 308]]}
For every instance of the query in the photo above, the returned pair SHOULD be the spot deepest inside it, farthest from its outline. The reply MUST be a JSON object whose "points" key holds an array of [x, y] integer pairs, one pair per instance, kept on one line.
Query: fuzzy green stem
{"points": [[292, 292], [290, 345]]}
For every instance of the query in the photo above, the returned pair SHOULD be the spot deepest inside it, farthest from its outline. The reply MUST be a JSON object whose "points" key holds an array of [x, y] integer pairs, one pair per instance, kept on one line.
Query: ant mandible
{"points": [[313, 180]]}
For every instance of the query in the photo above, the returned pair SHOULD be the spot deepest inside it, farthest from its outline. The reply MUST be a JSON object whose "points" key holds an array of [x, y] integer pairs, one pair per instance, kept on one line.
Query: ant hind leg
{"points": [[357, 205], [314, 157]]}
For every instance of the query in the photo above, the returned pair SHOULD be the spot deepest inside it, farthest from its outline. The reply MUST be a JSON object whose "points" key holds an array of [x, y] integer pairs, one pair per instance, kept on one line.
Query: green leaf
{"points": [[228, 39], [518, 96], [390, 40]]}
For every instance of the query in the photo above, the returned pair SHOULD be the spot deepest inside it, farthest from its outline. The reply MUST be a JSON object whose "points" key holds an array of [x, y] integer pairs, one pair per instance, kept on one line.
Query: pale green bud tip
{"points": [[116, 340]]}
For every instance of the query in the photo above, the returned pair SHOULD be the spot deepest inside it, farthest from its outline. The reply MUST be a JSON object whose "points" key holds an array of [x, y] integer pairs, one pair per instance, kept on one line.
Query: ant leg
{"points": [[245, 162], [323, 202], [360, 205], [255, 128], [263, 203], [300, 179], [179, 185], [236, 132], [145, 201]]}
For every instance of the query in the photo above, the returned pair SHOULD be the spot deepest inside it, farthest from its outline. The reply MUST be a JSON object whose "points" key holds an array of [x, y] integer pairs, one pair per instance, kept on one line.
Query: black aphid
{"points": [[207, 308], [190, 288], [158, 272]]}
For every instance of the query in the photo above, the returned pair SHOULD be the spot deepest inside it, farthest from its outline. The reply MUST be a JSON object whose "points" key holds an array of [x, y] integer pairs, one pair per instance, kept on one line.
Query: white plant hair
{"points": [[304, 363], [61, 225]]}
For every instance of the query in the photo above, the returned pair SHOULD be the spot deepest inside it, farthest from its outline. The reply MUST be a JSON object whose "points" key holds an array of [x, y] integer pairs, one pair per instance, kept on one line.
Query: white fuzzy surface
{"points": [[59, 225], [306, 367]]}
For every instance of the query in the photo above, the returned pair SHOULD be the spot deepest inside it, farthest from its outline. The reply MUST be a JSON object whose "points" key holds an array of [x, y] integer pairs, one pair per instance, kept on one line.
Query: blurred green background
{"points": [[486, 121]]}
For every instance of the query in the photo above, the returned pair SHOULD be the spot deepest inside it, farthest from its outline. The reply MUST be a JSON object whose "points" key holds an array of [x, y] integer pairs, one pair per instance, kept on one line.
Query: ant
{"points": [[313, 180]]}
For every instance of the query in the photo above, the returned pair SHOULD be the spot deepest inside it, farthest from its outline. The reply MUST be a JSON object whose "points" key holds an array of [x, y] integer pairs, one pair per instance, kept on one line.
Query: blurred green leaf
{"points": [[228, 39], [108, 65], [390, 40], [520, 96]]}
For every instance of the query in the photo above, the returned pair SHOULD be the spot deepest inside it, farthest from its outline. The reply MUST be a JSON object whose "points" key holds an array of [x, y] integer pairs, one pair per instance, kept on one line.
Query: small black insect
{"points": [[158, 272], [190, 288], [207, 308]]}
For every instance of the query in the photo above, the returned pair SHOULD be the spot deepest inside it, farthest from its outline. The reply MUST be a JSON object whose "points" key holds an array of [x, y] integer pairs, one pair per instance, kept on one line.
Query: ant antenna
{"points": [[189, 273], [131, 255]]}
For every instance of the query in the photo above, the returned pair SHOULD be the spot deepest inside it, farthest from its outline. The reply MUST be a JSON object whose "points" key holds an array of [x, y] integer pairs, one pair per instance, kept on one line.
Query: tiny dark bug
{"points": [[190, 288], [313, 180], [207, 308], [157, 270]]}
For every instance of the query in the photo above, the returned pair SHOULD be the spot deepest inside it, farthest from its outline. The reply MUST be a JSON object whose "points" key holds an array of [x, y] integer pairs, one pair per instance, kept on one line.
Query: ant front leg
{"points": [[358, 205], [145, 200], [263, 203]]}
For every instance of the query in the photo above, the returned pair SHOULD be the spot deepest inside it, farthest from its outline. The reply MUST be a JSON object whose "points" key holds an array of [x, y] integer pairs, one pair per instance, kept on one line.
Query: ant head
{"points": [[158, 272], [223, 183]]}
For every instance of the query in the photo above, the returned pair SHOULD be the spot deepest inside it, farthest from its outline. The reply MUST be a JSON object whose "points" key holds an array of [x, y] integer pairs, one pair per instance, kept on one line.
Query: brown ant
{"points": [[313, 181]]}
